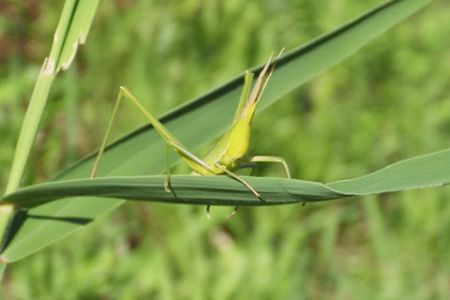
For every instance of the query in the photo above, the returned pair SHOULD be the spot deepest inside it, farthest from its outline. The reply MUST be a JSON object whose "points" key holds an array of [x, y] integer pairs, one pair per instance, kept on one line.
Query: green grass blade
{"points": [[424, 171], [72, 29], [77, 31], [187, 124], [204, 190], [29, 128], [430, 170]]}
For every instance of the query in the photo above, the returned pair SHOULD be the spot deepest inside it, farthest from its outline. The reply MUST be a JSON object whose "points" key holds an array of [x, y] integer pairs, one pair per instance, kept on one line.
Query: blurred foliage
{"points": [[390, 101]]}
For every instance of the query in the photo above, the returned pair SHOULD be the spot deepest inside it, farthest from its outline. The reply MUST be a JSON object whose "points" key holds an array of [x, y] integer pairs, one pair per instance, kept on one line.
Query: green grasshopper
{"points": [[228, 154]]}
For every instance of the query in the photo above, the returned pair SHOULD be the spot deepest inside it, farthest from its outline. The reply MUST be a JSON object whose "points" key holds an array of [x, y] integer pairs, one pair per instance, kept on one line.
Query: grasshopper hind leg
{"points": [[239, 179], [236, 208]]}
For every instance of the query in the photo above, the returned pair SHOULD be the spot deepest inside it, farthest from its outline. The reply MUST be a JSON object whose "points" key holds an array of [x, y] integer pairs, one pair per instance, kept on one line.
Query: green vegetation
{"points": [[386, 103]]}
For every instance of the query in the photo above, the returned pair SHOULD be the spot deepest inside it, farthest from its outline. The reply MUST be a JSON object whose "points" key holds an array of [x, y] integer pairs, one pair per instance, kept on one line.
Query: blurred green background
{"points": [[388, 102]]}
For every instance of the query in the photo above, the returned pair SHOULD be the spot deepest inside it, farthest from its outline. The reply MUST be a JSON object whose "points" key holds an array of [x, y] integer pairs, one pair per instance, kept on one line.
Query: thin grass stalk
{"points": [[72, 29]]}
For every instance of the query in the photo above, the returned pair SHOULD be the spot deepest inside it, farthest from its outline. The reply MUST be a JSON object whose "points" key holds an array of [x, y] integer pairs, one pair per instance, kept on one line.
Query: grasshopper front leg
{"points": [[264, 159], [272, 159]]}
